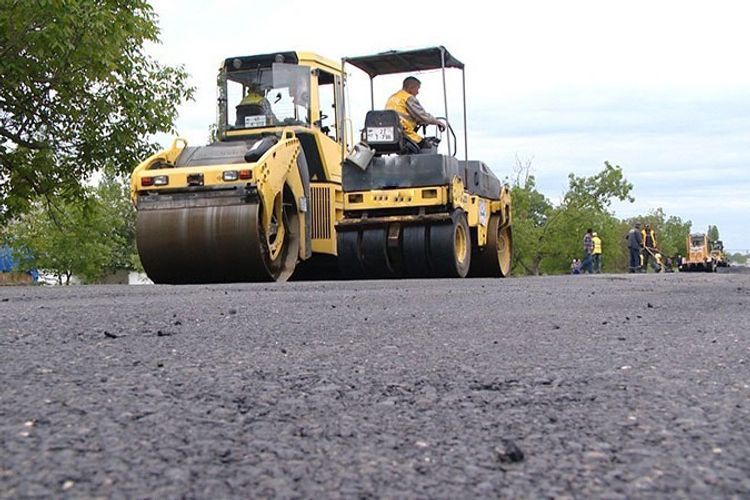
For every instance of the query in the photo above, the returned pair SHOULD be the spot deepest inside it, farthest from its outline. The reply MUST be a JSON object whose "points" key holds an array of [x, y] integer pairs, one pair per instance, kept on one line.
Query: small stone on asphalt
{"points": [[508, 452]]}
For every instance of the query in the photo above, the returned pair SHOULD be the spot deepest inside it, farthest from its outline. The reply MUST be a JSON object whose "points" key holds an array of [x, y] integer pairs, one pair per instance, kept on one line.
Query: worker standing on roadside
{"points": [[649, 247], [412, 114], [588, 249], [596, 256], [635, 244]]}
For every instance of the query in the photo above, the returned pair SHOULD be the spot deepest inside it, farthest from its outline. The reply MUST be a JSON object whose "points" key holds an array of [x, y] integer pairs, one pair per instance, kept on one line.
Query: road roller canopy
{"points": [[405, 61], [411, 61]]}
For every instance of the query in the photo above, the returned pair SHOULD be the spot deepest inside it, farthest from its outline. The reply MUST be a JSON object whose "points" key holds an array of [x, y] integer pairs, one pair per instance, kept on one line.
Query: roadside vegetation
{"points": [[81, 101], [548, 235]]}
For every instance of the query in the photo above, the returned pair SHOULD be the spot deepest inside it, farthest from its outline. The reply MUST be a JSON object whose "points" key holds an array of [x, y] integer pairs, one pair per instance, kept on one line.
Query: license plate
{"points": [[380, 134], [255, 121]]}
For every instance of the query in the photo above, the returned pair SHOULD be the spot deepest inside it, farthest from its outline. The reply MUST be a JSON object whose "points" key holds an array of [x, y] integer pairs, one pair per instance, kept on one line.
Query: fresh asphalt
{"points": [[607, 386]]}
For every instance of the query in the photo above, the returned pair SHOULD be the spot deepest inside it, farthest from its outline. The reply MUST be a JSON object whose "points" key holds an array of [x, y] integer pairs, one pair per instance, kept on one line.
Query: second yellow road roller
{"points": [[410, 211]]}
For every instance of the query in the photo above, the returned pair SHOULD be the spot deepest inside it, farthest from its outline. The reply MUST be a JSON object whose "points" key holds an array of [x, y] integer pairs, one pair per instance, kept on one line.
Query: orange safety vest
{"points": [[397, 103]]}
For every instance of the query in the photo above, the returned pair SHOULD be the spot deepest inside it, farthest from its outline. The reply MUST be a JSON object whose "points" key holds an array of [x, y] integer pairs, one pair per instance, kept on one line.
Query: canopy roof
{"points": [[405, 61]]}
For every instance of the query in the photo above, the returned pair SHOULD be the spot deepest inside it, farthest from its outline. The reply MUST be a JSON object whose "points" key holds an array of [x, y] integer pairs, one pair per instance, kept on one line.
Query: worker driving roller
{"points": [[413, 115], [267, 96], [254, 103]]}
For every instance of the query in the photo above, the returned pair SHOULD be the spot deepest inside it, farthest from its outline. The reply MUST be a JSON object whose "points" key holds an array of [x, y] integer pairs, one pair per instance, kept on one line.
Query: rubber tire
{"points": [[414, 253], [443, 253], [375, 254], [350, 254], [491, 261]]}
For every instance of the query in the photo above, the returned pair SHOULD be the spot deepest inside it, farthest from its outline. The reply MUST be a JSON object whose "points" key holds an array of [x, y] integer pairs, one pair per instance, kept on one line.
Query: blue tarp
{"points": [[9, 264]]}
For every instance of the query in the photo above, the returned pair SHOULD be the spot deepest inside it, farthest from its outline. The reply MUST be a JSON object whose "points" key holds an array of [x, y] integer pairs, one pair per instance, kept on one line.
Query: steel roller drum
{"points": [[210, 244]]}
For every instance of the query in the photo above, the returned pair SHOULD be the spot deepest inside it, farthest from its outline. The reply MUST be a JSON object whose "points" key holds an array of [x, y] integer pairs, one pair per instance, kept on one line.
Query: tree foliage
{"points": [[531, 210], [78, 92], [87, 239], [596, 193], [548, 237], [739, 258], [713, 233]]}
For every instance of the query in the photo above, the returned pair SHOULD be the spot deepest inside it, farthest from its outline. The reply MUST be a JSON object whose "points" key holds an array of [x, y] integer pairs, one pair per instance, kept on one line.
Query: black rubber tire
{"points": [[495, 259], [414, 253], [350, 254], [448, 257], [375, 254]]}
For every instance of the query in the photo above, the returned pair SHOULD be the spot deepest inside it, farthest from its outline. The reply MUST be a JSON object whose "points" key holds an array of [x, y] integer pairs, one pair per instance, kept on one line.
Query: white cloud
{"points": [[659, 88]]}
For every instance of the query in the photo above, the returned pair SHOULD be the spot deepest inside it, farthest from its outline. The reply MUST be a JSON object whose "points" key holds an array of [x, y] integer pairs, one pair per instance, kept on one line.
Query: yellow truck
{"points": [[699, 258]]}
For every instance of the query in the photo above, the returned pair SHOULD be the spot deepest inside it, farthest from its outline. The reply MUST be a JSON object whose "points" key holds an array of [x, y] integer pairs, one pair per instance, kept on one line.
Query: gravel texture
{"points": [[607, 386]]}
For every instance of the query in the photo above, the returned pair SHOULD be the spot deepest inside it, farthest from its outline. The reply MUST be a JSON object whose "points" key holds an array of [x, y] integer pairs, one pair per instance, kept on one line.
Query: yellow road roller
{"points": [[411, 211], [262, 200]]}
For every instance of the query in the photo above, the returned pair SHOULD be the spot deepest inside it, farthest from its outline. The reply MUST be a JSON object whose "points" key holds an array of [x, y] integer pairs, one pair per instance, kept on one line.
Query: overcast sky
{"points": [[661, 88]]}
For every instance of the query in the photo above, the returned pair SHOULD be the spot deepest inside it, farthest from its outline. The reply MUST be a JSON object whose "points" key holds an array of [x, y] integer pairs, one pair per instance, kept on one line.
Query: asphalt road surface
{"points": [[604, 386]]}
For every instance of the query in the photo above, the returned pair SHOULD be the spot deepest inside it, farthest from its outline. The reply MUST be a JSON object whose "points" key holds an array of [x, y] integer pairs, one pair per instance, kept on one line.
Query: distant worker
{"points": [[596, 256], [588, 250], [635, 244], [575, 267], [649, 247], [412, 114]]}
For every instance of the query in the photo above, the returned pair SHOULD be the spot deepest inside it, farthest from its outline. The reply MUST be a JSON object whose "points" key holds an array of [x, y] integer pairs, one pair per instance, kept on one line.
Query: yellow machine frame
{"points": [[477, 208], [276, 168]]}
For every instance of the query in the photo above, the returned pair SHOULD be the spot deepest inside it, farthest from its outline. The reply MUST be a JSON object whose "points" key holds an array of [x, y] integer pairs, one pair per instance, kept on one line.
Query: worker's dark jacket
{"points": [[635, 240]]}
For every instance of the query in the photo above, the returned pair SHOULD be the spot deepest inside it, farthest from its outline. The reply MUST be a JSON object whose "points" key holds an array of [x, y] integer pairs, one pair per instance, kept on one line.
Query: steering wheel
{"points": [[319, 121], [452, 135], [292, 121]]}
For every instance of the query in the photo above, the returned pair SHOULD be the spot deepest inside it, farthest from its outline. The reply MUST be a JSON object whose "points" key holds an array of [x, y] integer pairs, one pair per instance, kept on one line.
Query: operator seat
{"points": [[384, 133], [244, 110]]}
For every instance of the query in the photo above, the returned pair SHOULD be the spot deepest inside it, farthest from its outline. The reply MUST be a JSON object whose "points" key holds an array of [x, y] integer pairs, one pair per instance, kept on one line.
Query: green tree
{"points": [[77, 92], [87, 239], [548, 237], [713, 233], [738, 258], [596, 193], [113, 198], [674, 236], [531, 209]]}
